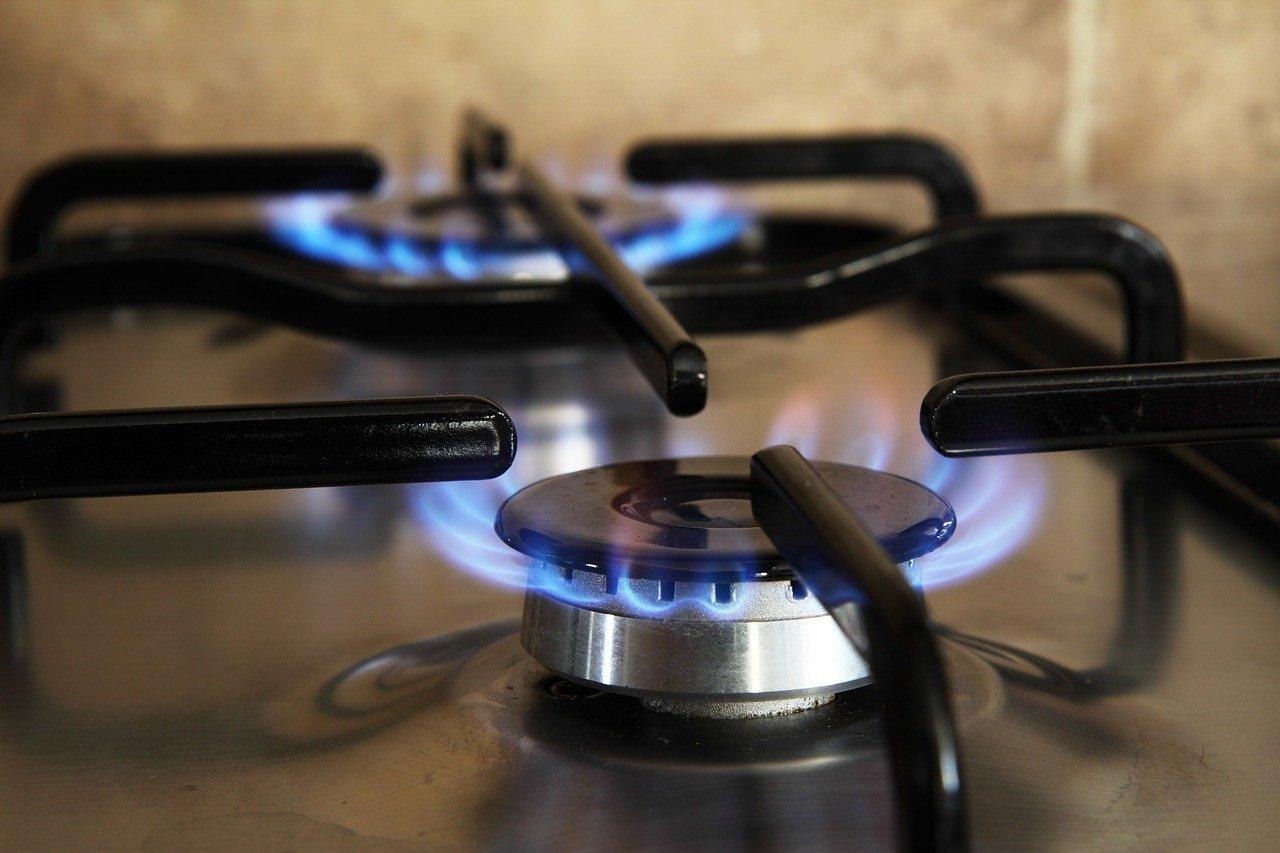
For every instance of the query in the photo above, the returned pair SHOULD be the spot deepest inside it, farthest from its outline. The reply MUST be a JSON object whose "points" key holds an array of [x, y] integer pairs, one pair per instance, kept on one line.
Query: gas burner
{"points": [[653, 579], [493, 235]]}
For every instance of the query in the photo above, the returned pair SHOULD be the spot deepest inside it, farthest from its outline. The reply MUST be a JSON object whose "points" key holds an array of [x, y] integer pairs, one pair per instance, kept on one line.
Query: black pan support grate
{"points": [[1211, 413]]}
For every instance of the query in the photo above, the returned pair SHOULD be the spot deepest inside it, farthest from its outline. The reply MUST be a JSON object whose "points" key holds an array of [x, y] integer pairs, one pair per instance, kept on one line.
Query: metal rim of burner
{"points": [[652, 579]]}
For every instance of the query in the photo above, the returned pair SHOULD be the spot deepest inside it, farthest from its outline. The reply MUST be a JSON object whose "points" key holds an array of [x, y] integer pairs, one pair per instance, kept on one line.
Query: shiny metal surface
{"points": [[691, 515], [712, 659], [1116, 684]]}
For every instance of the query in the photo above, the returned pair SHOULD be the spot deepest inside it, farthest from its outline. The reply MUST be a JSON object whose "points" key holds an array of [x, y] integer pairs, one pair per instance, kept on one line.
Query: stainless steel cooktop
{"points": [[654, 591], [335, 668]]}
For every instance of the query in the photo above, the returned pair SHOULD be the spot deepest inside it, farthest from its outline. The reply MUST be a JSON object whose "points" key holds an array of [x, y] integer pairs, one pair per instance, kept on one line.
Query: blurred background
{"points": [[1167, 113]]}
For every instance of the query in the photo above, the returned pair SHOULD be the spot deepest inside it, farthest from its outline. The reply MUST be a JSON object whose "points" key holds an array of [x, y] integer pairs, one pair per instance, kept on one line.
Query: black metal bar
{"points": [[1151, 567], [945, 259], [268, 288], [1247, 473], [932, 163], [846, 568], [485, 145], [330, 301], [13, 610], [159, 451], [1034, 411], [173, 175], [665, 353], [16, 395]]}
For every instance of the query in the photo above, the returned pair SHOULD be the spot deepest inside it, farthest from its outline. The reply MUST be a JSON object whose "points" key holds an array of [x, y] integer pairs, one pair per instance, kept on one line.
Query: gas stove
{"points": [[642, 563], [518, 517]]}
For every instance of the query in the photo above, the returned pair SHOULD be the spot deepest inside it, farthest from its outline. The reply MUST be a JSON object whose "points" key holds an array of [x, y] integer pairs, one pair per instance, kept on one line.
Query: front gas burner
{"points": [[653, 579]]}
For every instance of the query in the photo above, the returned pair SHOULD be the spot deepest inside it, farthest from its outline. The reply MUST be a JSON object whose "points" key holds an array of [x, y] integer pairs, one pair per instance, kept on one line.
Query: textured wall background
{"points": [[1167, 112]]}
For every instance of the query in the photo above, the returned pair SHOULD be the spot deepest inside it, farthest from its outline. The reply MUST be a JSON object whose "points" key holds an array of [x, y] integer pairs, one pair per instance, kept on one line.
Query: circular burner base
{"points": [[695, 657]]}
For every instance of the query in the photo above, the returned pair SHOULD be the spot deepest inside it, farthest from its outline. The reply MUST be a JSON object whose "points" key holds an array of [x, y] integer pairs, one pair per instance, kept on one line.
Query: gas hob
{"points": [[648, 650]]}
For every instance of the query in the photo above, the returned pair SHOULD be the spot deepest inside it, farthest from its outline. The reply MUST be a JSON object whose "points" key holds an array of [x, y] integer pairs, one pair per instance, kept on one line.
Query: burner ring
{"points": [[680, 517]]}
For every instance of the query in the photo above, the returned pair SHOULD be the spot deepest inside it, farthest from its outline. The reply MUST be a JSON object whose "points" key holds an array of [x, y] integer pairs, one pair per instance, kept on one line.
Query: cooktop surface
{"points": [[342, 666]]}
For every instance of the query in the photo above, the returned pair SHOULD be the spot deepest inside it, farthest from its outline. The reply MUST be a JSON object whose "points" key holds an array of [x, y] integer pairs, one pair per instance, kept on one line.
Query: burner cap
{"points": [[693, 515]]}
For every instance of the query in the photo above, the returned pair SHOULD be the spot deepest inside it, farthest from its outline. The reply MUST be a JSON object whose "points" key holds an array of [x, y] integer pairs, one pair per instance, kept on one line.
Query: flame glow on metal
{"points": [[458, 518], [998, 501]]}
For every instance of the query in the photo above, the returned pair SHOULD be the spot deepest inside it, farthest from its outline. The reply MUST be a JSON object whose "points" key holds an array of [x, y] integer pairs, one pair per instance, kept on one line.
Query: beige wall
{"points": [[1166, 111]]}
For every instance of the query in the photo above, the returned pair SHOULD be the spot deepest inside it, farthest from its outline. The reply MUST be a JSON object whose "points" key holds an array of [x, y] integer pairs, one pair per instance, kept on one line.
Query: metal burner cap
{"points": [[693, 515]]}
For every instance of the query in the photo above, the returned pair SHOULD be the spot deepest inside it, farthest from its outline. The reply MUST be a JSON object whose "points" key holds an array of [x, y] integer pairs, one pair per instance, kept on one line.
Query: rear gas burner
{"points": [[490, 235], [653, 579]]}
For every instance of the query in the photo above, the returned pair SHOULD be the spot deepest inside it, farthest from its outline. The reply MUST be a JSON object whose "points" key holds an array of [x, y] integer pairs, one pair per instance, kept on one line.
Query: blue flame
{"points": [[458, 517], [458, 520], [695, 225], [636, 594], [998, 501], [868, 431]]}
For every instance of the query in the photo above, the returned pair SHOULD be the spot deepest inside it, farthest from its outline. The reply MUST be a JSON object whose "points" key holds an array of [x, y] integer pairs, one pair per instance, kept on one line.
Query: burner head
{"points": [[652, 578]]}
